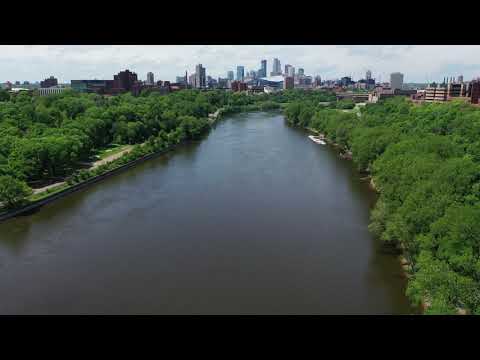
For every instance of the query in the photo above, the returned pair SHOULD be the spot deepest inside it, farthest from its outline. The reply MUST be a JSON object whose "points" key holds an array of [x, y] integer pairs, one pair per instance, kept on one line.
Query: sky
{"points": [[418, 63]]}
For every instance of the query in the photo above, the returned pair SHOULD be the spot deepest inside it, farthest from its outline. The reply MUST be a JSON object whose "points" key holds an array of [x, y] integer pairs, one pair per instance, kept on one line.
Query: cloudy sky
{"points": [[419, 63]]}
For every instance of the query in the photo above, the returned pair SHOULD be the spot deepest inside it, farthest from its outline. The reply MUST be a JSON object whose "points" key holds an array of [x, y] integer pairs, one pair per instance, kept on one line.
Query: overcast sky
{"points": [[418, 63]]}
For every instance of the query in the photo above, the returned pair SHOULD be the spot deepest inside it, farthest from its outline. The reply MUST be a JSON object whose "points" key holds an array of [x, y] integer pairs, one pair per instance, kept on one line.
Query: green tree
{"points": [[13, 191]]}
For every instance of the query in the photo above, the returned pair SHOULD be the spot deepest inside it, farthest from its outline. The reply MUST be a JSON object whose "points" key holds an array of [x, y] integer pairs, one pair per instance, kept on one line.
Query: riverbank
{"points": [[136, 228], [58, 190], [63, 191], [348, 155]]}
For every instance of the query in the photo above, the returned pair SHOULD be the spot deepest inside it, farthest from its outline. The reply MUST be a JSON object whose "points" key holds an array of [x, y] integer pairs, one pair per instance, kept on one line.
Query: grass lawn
{"points": [[48, 192]]}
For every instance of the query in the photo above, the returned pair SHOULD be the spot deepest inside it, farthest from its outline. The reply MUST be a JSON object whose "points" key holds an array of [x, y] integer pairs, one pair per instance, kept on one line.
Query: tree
{"points": [[13, 191]]}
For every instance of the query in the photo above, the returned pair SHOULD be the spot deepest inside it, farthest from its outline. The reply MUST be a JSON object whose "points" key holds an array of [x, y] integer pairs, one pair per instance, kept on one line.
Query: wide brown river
{"points": [[253, 219]]}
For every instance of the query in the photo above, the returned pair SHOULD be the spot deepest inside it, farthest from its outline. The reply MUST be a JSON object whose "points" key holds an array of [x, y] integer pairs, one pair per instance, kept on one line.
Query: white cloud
{"points": [[417, 62]]}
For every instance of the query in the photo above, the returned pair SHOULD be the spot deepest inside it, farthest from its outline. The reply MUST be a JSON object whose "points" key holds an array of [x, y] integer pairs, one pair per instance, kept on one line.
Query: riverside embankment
{"points": [[60, 189], [253, 219]]}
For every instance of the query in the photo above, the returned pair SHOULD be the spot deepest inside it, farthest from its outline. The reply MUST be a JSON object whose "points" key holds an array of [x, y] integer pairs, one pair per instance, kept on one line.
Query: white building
{"points": [[396, 80], [51, 90]]}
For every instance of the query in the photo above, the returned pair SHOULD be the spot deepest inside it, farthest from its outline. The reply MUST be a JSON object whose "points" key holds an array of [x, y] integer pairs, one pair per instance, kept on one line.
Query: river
{"points": [[253, 219]]}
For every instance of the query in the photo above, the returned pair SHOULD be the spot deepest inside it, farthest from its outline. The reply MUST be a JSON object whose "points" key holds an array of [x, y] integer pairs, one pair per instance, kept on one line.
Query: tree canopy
{"points": [[425, 161]]}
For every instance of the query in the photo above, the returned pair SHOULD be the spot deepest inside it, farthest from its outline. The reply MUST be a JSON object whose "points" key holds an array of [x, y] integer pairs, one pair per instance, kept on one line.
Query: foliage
{"points": [[12, 191], [425, 161]]}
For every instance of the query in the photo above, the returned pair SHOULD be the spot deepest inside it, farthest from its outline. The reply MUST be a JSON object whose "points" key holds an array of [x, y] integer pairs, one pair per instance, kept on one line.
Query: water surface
{"points": [[253, 219]]}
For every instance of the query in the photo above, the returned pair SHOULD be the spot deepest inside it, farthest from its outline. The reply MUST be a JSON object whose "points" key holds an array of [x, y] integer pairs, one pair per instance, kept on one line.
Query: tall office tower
{"points": [[150, 80], [201, 79], [396, 80], [287, 66], [264, 69], [277, 68], [240, 73], [192, 80], [301, 72], [291, 71], [460, 78], [368, 75], [230, 75]]}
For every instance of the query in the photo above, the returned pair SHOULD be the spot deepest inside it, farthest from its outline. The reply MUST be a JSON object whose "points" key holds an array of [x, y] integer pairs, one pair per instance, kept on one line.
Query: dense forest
{"points": [[45, 139], [425, 163]]}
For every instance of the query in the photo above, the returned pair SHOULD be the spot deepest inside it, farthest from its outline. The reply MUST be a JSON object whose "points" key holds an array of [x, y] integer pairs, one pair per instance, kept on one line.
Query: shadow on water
{"points": [[385, 267], [253, 219], [15, 233]]}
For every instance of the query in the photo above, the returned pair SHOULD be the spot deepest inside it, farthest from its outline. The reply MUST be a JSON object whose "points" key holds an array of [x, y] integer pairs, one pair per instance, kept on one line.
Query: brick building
{"points": [[49, 82]]}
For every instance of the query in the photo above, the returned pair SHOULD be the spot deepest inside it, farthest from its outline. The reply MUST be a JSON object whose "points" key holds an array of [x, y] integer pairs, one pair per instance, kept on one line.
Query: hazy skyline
{"points": [[419, 63]]}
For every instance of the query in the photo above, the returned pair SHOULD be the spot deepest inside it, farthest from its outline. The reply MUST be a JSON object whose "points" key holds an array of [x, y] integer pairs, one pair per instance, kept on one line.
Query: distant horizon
{"points": [[74, 62]]}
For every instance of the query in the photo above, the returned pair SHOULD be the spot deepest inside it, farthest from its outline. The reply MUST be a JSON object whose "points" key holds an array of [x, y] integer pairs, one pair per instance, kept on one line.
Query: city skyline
{"points": [[33, 63]]}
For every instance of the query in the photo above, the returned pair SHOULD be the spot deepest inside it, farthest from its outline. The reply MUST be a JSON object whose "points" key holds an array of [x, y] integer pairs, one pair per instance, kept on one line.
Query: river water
{"points": [[253, 219]]}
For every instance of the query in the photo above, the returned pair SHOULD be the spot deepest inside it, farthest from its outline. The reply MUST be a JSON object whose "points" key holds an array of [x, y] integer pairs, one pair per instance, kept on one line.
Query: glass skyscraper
{"points": [[240, 73], [263, 69]]}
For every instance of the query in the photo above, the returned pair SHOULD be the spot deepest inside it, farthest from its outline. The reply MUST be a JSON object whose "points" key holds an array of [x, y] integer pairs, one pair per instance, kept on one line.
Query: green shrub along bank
{"points": [[43, 139], [425, 162]]}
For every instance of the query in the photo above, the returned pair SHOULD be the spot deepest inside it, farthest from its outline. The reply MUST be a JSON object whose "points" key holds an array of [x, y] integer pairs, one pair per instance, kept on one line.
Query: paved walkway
{"points": [[94, 165]]}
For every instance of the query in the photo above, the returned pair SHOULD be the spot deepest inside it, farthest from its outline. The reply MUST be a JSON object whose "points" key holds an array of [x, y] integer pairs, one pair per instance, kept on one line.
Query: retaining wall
{"points": [[77, 187]]}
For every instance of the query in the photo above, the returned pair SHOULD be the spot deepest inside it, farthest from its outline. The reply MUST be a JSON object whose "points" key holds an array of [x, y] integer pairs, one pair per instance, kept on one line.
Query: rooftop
{"points": [[276, 78]]}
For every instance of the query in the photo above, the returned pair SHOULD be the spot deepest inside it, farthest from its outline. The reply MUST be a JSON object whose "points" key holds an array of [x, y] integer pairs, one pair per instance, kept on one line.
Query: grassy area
{"points": [[111, 150], [47, 192]]}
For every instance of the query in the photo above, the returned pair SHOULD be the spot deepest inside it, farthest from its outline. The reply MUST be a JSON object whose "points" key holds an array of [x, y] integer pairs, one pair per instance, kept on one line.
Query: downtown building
{"points": [[277, 68], [52, 90], [200, 77], [262, 72], [396, 80], [121, 83], [49, 82], [150, 79], [237, 86], [240, 73], [288, 82]]}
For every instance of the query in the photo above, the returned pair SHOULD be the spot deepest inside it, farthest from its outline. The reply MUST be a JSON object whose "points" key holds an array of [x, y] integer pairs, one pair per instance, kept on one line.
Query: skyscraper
{"points": [[264, 69], [301, 72], [368, 75], [460, 78], [291, 71], [277, 68], [287, 66], [150, 80], [240, 73], [396, 80], [230, 75], [201, 79]]}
